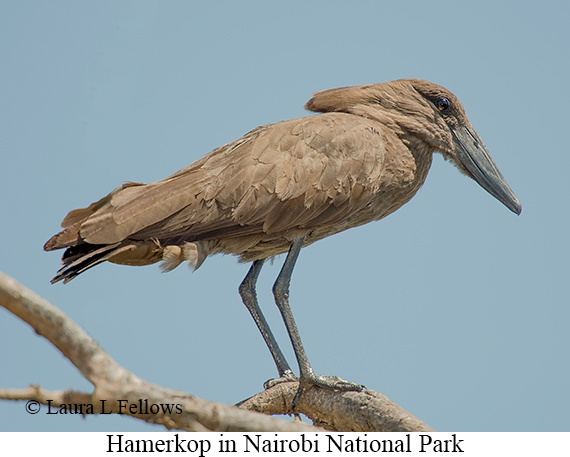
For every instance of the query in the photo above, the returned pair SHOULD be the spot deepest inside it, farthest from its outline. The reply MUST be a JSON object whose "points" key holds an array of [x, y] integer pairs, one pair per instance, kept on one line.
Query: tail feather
{"points": [[77, 263], [77, 259]]}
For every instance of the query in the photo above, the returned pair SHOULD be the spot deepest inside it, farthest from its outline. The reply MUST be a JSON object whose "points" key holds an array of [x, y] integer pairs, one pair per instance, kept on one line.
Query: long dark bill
{"points": [[476, 158]]}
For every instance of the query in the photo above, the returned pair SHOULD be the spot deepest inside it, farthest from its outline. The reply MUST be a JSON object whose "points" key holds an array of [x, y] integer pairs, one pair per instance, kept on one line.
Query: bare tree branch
{"points": [[346, 411], [367, 411]]}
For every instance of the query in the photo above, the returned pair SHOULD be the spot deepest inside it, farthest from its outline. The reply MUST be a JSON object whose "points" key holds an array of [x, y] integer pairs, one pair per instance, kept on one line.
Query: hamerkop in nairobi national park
{"points": [[284, 186]]}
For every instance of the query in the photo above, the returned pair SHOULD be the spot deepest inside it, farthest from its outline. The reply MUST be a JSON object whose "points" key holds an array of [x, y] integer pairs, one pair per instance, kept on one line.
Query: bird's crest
{"points": [[342, 99]]}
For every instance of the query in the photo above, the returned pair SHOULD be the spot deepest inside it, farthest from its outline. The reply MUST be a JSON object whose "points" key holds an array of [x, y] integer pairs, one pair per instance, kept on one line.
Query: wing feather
{"points": [[290, 175]]}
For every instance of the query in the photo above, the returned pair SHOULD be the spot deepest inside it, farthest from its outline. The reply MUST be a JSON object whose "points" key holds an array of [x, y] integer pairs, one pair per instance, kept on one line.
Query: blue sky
{"points": [[453, 307]]}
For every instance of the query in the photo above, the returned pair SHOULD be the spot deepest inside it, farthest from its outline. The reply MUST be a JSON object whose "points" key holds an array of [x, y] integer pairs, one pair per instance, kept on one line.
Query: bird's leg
{"points": [[281, 293], [249, 298]]}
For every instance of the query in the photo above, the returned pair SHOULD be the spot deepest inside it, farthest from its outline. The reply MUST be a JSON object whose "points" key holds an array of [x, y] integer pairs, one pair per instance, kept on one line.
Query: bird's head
{"points": [[430, 114]]}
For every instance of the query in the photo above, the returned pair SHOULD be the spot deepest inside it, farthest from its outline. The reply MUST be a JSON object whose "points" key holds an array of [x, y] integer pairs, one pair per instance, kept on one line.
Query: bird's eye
{"points": [[442, 104]]}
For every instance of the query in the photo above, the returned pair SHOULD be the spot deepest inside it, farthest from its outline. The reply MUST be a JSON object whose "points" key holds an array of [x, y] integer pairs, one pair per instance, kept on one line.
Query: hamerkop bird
{"points": [[284, 186]]}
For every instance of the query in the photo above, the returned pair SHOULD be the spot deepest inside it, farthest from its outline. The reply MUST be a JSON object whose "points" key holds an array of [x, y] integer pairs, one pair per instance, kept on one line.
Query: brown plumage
{"points": [[366, 155]]}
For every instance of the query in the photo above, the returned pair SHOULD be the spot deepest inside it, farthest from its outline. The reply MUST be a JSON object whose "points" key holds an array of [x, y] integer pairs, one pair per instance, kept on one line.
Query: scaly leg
{"points": [[281, 293], [249, 298]]}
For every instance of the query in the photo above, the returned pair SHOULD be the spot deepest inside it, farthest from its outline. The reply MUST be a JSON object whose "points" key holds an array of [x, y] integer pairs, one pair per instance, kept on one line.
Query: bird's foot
{"points": [[327, 382], [335, 383], [287, 376]]}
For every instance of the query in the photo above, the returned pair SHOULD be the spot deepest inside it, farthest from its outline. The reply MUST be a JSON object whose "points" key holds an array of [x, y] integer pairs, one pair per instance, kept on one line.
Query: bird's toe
{"points": [[288, 376], [336, 383]]}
